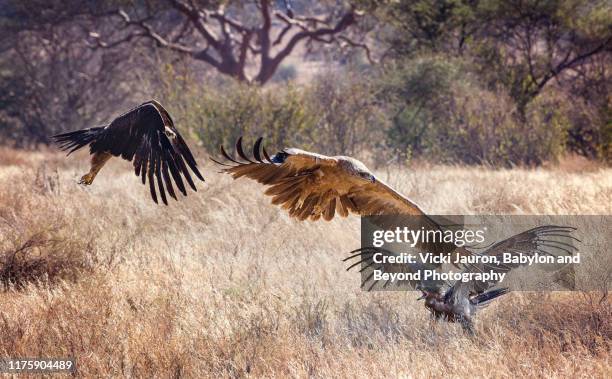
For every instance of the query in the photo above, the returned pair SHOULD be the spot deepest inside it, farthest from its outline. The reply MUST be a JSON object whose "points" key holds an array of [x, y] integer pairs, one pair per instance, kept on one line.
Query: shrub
{"points": [[40, 257], [430, 108], [39, 250], [480, 128], [484, 127], [334, 114], [545, 135], [414, 93], [590, 129], [442, 113], [219, 113], [347, 118]]}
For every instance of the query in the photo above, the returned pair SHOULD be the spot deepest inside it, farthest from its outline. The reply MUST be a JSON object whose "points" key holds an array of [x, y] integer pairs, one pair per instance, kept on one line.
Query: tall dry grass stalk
{"points": [[222, 283]]}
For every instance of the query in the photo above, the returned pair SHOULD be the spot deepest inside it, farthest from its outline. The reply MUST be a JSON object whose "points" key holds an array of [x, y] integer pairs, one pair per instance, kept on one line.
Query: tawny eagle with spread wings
{"points": [[145, 135], [314, 186]]}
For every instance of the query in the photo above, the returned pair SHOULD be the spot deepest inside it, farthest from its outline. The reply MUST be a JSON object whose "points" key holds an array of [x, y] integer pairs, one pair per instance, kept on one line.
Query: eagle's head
{"points": [[433, 299], [356, 168]]}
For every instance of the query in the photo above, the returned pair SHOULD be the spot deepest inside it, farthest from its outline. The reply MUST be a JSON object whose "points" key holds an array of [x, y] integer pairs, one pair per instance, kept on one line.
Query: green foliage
{"points": [[471, 81], [484, 127], [520, 45], [346, 113], [606, 143], [536, 41], [428, 107], [442, 113], [413, 91], [334, 115], [54, 83], [546, 129], [430, 25], [220, 114], [480, 127]]}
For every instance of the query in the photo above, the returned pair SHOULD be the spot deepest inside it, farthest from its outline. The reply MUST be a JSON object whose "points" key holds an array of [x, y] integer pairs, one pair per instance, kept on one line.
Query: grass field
{"points": [[223, 283]]}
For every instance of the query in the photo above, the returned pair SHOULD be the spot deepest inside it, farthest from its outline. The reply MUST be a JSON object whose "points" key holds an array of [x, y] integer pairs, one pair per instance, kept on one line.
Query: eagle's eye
{"points": [[169, 133], [367, 176]]}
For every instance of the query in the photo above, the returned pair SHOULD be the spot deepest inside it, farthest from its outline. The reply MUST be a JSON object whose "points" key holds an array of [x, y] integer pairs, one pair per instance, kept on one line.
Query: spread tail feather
{"points": [[73, 141]]}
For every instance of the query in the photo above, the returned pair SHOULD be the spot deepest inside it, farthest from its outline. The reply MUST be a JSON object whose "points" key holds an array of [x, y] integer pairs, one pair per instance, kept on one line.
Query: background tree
{"points": [[461, 80], [530, 43], [430, 25], [522, 44], [53, 81], [244, 40], [526, 48]]}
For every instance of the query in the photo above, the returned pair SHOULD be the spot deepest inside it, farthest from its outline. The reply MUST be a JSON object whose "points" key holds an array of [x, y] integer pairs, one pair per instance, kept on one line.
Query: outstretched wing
{"points": [[543, 240], [146, 136], [311, 185]]}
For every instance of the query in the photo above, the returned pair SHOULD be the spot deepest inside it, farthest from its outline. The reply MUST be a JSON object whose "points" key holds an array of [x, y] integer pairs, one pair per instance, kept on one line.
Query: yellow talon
{"points": [[86, 179]]}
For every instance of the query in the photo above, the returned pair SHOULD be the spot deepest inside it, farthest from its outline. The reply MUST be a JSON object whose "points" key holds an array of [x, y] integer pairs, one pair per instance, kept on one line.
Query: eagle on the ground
{"points": [[461, 300], [146, 136]]}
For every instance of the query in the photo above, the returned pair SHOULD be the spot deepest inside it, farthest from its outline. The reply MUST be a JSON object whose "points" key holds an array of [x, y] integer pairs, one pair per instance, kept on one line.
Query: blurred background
{"points": [[503, 83], [497, 106]]}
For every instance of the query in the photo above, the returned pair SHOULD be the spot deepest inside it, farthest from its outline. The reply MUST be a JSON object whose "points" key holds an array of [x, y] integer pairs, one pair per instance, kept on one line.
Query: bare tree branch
{"points": [[229, 41], [566, 63], [149, 32], [266, 72], [363, 46]]}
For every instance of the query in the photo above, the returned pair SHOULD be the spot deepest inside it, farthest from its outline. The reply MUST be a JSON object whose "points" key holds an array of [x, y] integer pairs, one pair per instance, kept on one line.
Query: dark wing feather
{"points": [[150, 173], [139, 136], [543, 240], [158, 159], [166, 175], [180, 146], [144, 156]]}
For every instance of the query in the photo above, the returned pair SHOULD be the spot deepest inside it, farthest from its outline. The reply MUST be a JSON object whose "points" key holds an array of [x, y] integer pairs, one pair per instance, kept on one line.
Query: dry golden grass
{"points": [[223, 284]]}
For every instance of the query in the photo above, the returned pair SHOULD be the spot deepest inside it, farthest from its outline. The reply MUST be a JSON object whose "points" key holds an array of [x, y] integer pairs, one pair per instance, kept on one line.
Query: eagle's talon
{"points": [[86, 180]]}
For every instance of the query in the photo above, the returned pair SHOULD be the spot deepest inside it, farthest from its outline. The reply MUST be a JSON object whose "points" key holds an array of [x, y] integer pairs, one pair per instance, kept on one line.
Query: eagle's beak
{"points": [[422, 296]]}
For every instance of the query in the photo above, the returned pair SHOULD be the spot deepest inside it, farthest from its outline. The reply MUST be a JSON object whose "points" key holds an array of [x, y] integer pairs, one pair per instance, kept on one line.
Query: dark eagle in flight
{"points": [[146, 136]]}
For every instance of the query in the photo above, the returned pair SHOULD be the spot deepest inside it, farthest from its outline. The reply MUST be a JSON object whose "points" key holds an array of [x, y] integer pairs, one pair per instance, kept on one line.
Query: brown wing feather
{"points": [[295, 172], [378, 199], [315, 186], [292, 172], [292, 176]]}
